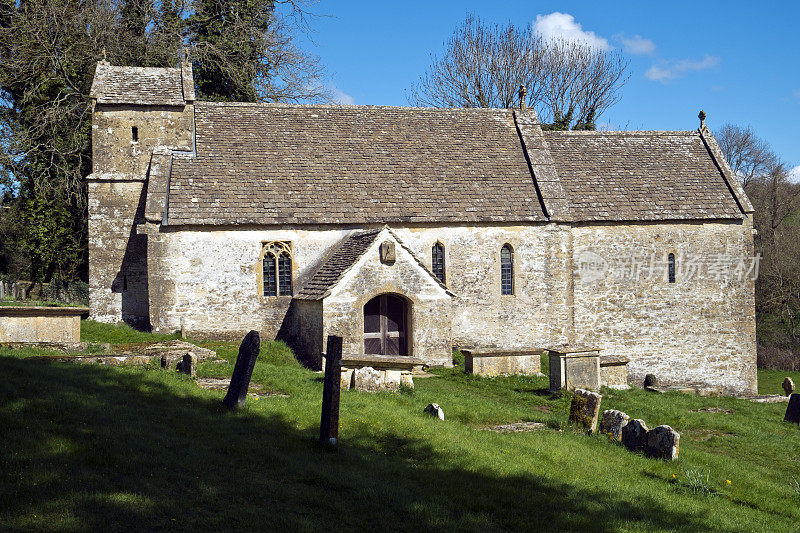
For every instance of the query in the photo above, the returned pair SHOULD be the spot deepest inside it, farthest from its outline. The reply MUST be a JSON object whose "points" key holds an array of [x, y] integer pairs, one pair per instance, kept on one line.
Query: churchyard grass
{"points": [[88, 447], [769, 381]]}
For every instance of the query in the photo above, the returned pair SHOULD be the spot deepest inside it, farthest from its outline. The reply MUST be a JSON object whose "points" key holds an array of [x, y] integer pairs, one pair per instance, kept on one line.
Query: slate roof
{"points": [[336, 264], [283, 164], [140, 85], [640, 176]]}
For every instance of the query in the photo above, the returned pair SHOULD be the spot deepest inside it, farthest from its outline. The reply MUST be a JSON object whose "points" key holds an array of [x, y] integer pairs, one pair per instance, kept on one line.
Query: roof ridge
{"points": [[622, 132], [288, 105]]}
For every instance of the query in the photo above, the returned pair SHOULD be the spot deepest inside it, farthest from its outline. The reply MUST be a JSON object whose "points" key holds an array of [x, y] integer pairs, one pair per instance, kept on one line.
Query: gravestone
{"points": [[189, 364], [347, 379], [634, 435], [242, 371], [793, 409], [788, 386], [329, 424], [433, 409], [612, 423], [584, 409], [662, 443]]}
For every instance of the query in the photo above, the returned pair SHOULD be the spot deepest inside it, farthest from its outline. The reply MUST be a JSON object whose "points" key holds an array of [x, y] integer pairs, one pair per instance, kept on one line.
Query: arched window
{"points": [[270, 277], [506, 270], [285, 274], [671, 268], [437, 261], [277, 269]]}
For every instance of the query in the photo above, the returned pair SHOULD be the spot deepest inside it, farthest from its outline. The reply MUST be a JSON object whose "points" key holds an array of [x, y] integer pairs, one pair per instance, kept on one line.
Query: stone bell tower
{"points": [[134, 111]]}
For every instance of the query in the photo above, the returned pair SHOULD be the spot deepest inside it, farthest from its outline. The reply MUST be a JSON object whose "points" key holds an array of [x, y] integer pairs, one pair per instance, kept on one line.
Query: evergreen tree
{"points": [[231, 43]]}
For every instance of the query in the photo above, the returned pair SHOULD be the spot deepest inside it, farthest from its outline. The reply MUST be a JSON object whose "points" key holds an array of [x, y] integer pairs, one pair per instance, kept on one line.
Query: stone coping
{"points": [[381, 361], [19, 310], [501, 353], [613, 360], [567, 350]]}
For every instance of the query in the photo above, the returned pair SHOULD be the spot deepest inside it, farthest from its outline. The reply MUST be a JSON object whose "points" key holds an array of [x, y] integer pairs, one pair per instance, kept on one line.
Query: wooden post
{"points": [[329, 425]]}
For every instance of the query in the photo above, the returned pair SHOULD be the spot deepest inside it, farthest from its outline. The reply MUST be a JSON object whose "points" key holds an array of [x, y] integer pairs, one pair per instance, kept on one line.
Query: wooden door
{"points": [[385, 326]]}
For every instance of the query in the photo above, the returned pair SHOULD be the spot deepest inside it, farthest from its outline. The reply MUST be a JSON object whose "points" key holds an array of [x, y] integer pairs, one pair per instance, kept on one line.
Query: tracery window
{"points": [[437, 261], [506, 269], [277, 268], [671, 268]]}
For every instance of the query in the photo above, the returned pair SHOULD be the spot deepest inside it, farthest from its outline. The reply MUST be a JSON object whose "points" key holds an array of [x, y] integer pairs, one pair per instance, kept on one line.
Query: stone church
{"points": [[408, 231]]}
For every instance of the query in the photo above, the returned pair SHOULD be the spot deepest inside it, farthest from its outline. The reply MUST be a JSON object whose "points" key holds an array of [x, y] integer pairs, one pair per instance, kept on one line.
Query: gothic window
{"points": [[506, 270], [671, 268], [285, 274], [277, 269], [437, 261], [135, 134]]}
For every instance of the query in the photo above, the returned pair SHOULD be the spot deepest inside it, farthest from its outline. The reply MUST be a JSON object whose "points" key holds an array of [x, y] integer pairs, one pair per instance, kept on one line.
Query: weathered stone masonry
{"points": [[179, 217]]}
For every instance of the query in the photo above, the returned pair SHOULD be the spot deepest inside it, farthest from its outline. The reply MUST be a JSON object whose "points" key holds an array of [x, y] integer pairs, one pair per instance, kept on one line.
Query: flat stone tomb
{"points": [[378, 372], [574, 368], [502, 363]]}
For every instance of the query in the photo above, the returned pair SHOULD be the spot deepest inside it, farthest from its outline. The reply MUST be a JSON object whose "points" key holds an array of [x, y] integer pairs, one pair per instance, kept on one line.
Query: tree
{"points": [[568, 83], [777, 205], [749, 156], [48, 53], [242, 51]]}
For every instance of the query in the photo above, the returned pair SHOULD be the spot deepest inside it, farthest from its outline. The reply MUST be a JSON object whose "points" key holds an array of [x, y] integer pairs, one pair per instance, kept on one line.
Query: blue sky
{"points": [[736, 60]]}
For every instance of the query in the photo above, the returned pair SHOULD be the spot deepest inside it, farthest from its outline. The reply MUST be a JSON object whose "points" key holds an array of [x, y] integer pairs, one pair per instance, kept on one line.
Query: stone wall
{"points": [[698, 330], [118, 264], [118, 289], [535, 316], [209, 280]]}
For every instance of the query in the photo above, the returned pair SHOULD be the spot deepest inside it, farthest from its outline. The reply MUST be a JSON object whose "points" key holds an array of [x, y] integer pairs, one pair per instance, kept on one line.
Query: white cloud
{"points": [[675, 68], [794, 174], [563, 26], [637, 45], [341, 97]]}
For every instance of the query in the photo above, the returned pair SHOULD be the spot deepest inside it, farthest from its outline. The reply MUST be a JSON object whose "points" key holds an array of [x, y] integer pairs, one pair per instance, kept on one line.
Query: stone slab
{"points": [[502, 363], [663, 443], [612, 423], [584, 410], [634, 435], [41, 324], [575, 370], [793, 409]]}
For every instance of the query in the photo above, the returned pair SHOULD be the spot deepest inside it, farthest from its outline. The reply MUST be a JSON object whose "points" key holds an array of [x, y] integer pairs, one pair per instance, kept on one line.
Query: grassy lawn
{"points": [[769, 381], [106, 448]]}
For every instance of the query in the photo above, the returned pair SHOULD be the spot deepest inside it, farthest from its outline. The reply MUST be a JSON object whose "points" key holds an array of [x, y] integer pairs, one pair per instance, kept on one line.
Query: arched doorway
{"points": [[385, 326]]}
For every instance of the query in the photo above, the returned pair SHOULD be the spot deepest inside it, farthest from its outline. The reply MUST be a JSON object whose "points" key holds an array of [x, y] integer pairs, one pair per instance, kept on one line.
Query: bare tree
{"points": [[749, 156], [483, 66]]}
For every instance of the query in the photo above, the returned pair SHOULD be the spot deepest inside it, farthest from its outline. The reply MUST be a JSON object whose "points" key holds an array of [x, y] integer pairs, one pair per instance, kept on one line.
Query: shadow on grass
{"points": [[92, 448]]}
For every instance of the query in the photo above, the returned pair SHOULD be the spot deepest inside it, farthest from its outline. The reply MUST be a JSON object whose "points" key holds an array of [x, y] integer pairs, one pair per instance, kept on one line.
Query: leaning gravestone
{"points": [[793, 409], [634, 435], [329, 424], [584, 409], [612, 423], [788, 386], [243, 371], [662, 443]]}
